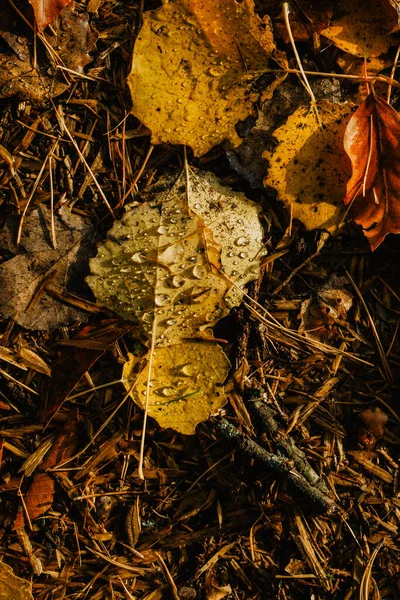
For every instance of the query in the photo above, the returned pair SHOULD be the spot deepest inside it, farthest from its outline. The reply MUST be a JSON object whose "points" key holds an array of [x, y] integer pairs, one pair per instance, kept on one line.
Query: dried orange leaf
{"points": [[186, 384], [39, 496], [365, 29], [47, 10], [308, 167], [13, 587], [196, 70], [372, 143]]}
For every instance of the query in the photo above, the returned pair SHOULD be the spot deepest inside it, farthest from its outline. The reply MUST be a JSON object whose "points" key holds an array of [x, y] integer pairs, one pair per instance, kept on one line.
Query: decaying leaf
{"points": [[79, 356], [13, 587], [215, 591], [308, 167], [36, 77], [373, 191], [365, 29], [185, 386], [196, 70], [47, 10], [165, 261], [35, 260], [39, 496], [375, 419], [318, 314]]}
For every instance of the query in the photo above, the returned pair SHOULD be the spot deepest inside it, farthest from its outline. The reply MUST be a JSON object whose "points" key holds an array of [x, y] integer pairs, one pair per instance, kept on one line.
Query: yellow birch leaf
{"points": [[196, 70], [308, 168], [365, 29], [164, 262], [186, 384], [236, 228]]}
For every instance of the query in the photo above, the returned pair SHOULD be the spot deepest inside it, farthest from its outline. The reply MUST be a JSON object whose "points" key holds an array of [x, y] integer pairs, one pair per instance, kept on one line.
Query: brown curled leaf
{"points": [[372, 142]]}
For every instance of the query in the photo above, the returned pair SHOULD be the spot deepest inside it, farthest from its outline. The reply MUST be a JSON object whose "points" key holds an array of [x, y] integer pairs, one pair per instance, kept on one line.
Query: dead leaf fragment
{"points": [[185, 386], [375, 419], [373, 191], [365, 29], [39, 496], [36, 77], [13, 587], [75, 359], [47, 10], [322, 310], [215, 591], [35, 259], [195, 69], [166, 260], [308, 168]]}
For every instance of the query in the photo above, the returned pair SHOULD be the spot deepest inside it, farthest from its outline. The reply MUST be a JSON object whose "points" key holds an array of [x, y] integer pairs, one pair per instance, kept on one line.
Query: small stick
{"points": [[279, 465], [266, 417]]}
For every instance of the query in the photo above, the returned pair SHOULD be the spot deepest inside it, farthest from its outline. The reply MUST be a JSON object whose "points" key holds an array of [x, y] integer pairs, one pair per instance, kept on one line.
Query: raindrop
{"points": [[216, 71], [172, 254], [178, 281], [148, 317], [242, 241], [161, 300], [189, 370], [242, 255], [167, 391], [197, 206], [162, 230], [138, 257], [198, 271]]}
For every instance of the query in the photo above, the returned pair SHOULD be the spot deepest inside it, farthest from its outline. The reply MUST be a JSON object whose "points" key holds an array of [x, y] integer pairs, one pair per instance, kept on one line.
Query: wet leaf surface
{"points": [[167, 260], [195, 70], [186, 384], [37, 80]]}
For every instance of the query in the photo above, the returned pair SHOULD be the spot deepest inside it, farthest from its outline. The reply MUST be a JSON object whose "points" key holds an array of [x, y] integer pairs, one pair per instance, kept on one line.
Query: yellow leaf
{"points": [[365, 29], [309, 168], [13, 587], [196, 70], [162, 261], [186, 384], [235, 225]]}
